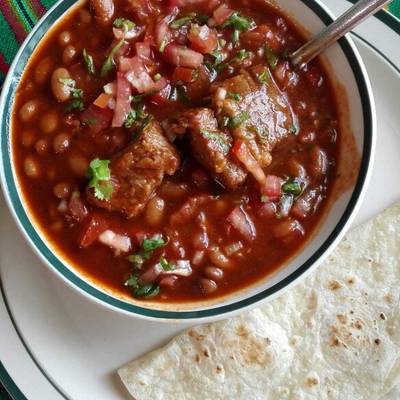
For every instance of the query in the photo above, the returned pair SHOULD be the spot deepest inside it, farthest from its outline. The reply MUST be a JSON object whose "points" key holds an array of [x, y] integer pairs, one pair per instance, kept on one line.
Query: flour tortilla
{"points": [[334, 336]]}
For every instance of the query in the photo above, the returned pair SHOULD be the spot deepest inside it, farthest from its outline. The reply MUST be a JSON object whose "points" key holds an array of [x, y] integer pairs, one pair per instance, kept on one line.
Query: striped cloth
{"points": [[18, 17]]}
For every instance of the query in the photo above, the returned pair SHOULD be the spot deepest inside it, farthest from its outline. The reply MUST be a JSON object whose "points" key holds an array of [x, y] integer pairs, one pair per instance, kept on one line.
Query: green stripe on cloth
{"points": [[394, 7]]}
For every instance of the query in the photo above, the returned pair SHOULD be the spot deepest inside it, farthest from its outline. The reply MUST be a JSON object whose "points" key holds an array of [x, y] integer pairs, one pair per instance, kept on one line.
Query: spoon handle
{"points": [[345, 23]]}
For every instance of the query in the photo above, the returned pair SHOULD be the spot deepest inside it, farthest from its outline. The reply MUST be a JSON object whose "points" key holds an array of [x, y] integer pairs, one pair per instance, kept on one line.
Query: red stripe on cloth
{"points": [[12, 20], [38, 8], [3, 65]]}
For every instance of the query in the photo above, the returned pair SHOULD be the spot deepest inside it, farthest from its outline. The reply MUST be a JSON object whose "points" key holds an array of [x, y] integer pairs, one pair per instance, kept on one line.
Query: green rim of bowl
{"points": [[17, 209]]}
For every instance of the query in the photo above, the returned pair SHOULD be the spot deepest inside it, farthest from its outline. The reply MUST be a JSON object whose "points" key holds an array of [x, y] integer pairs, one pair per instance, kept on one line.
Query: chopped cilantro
{"points": [[237, 22], [263, 77], [125, 24], [240, 56], [109, 64], [264, 198], [163, 45], [165, 264], [146, 250], [100, 178], [237, 120], [218, 138], [89, 121], [141, 290], [292, 186], [195, 75], [271, 58], [89, 62], [74, 105], [235, 36], [130, 119], [77, 95], [234, 96], [178, 23], [293, 129]]}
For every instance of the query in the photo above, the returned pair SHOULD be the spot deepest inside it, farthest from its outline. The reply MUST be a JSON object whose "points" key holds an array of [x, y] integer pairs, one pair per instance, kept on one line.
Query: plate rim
{"points": [[385, 17]]}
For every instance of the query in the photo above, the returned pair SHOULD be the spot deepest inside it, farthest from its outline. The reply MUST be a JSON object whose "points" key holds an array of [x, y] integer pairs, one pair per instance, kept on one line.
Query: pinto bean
{"points": [[64, 38], [61, 143], [29, 110], [49, 122], [208, 286], [155, 211], [62, 190], [31, 167], [69, 54], [60, 90], [103, 11], [43, 70], [213, 272]]}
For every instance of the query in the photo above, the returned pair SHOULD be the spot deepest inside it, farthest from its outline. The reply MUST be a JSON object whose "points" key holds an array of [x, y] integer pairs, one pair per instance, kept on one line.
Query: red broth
{"points": [[244, 146]]}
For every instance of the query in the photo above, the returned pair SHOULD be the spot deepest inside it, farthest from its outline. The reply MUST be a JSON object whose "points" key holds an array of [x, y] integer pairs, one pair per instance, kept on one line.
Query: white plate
{"points": [[59, 345]]}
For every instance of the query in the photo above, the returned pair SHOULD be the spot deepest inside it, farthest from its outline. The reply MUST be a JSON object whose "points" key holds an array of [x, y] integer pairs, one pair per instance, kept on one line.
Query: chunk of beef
{"points": [[211, 146], [138, 170], [269, 117]]}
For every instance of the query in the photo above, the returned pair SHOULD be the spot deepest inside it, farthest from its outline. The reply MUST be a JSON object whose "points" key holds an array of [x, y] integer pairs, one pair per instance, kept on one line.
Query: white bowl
{"points": [[357, 140]]}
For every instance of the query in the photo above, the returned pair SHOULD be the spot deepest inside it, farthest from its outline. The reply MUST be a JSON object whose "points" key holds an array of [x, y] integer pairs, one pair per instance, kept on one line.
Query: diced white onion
{"points": [[110, 88], [181, 267], [119, 243]]}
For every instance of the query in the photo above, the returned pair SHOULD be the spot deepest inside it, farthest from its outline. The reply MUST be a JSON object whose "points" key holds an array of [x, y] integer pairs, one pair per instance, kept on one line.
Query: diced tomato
{"points": [[131, 34], [182, 74], [123, 104], [137, 235], [102, 100], [257, 37], [142, 8], [96, 119], [143, 51], [202, 38], [199, 88], [139, 78], [241, 151], [163, 34], [221, 14], [181, 56], [77, 208], [162, 97], [272, 187], [242, 223], [93, 227]]}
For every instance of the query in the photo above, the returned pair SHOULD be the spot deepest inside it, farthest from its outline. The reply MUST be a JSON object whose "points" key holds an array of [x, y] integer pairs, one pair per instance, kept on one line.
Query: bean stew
{"points": [[169, 150]]}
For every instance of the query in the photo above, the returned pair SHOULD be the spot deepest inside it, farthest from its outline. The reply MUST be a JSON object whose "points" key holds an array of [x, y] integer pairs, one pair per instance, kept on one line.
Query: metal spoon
{"points": [[345, 23]]}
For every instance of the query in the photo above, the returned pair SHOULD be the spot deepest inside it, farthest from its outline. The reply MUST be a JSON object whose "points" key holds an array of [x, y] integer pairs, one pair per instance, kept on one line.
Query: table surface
{"points": [[16, 21]]}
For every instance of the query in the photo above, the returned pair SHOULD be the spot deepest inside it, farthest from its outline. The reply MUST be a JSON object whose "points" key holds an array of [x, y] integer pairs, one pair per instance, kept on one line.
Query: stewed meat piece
{"points": [[255, 110], [138, 170], [210, 146]]}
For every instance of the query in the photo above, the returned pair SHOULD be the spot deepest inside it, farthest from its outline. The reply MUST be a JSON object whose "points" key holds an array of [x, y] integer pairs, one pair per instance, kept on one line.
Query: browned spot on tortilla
{"points": [[218, 368], [311, 382], [342, 318], [206, 353], [357, 324], [350, 281], [197, 336], [242, 331], [334, 285], [231, 357], [197, 358], [383, 316], [388, 297], [377, 341], [335, 342], [141, 383]]}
